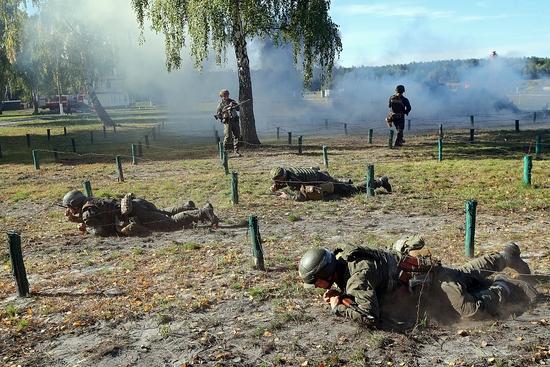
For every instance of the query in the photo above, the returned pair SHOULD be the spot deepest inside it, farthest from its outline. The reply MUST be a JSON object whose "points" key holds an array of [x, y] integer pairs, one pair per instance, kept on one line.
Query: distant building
{"points": [[111, 92]]}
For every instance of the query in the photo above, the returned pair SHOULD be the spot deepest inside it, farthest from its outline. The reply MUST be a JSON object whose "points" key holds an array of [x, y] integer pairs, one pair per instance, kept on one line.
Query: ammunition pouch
{"points": [[312, 192], [394, 116]]}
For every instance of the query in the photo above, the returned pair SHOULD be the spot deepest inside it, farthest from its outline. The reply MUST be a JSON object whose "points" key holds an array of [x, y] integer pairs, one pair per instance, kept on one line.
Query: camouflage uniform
{"points": [[231, 127], [311, 183], [400, 106], [367, 275], [103, 217]]}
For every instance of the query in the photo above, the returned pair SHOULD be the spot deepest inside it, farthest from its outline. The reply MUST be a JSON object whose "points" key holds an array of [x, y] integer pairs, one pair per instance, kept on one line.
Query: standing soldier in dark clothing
{"points": [[365, 276], [314, 184], [131, 216], [400, 107], [227, 113]]}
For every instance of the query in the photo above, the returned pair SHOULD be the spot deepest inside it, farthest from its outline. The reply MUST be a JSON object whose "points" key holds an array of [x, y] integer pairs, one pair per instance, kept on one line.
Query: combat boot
{"points": [[190, 205], [207, 213], [517, 289], [512, 256], [385, 183]]}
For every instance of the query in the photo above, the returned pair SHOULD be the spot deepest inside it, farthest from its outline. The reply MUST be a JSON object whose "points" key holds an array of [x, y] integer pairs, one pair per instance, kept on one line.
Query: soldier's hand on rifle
{"points": [[332, 297], [81, 227], [70, 215]]}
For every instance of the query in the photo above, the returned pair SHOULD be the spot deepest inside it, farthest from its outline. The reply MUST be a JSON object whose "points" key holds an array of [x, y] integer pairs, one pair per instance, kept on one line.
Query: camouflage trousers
{"points": [[168, 219], [466, 289], [231, 132]]}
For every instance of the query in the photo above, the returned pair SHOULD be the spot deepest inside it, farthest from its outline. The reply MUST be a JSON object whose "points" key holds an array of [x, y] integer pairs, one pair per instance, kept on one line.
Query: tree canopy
{"points": [[215, 25]]}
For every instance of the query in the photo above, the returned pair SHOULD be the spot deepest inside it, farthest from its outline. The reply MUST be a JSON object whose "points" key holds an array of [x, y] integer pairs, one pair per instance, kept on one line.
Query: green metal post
{"points": [[370, 180], [154, 134], [220, 148], [439, 149], [346, 129], [325, 155], [235, 188], [472, 135], [147, 141], [277, 132], [408, 124], [88, 188], [73, 143], [390, 140], [55, 155], [256, 242], [537, 146], [289, 137], [517, 125], [472, 121], [17, 264], [35, 159], [104, 131], [28, 140], [140, 150], [48, 133], [470, 227], [527, 165], [119, 167], [535, 116], [300, 144], [370, 136]]}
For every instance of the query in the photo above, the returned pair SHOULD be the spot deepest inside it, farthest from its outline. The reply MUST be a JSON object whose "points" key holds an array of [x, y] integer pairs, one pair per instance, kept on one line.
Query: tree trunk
{"points": [[35, 101], [103, 115], [248, 122]]}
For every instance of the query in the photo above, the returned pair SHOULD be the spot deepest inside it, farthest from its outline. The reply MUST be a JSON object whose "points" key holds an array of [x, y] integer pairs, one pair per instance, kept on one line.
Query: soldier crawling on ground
{"points": [[314, 184], [131, 216]]}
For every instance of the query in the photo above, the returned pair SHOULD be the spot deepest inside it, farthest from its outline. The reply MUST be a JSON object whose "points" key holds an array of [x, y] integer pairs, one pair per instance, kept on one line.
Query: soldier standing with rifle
{"points": [[400, 107], [227, 113]]}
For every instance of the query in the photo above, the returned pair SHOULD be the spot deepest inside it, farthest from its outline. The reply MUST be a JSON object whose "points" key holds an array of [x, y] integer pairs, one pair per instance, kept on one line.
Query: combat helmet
{"points": [[316, 263], [278, 174], [400, 89], [74, 199]]}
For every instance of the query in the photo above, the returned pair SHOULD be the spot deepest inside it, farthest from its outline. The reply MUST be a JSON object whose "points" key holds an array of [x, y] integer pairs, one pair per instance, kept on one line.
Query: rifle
{"points": [[348, 302], [229, 108]]}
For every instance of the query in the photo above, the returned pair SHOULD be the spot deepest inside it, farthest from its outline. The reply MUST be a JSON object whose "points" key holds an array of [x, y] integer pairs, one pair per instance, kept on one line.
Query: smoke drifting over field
{"points": [[278, 100]]}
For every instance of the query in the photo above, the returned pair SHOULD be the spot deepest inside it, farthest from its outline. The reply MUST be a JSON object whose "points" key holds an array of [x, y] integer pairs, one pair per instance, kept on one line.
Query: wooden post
{"points": [[256, 242], [17, 264], [88, 188], [119, 168], [235, 188], [470, 227], [527, 166], [35, 159], [370, 180]]}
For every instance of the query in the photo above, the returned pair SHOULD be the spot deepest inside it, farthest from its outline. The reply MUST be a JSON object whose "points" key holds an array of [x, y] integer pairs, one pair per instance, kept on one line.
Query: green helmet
{"points": [[400, 89], [74, 199], [316, 263], [278, 174]]}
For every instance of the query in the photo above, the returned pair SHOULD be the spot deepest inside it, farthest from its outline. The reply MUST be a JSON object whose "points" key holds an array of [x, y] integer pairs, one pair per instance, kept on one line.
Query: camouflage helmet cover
{"points": [[316, 263], [400, 89], [278, 174], [74, 199]]}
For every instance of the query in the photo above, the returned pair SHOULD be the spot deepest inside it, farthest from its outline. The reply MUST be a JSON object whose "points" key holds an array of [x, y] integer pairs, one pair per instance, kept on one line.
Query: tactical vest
{"points": [[302, 174], [397, 106], [108, 209]]}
